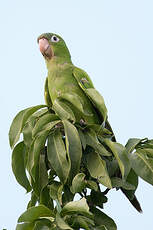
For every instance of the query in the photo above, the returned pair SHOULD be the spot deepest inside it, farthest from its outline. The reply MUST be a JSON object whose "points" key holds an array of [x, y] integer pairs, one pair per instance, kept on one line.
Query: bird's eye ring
{"points": [[54, 38]]}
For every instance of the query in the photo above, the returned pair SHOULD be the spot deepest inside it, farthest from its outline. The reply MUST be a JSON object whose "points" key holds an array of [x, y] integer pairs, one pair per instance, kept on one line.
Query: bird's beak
{"points": [[45, 48]]}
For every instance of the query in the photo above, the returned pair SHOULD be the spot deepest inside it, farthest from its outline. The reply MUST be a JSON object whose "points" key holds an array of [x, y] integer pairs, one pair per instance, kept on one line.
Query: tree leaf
{"points": [[19, 122], [74, 99], [57, 156], [34, 153], [45, 198], [27, 131], [101, 219], [142, 165], [82, 222], [61, 223], [18, 166], [45, 119], [82, 138], [98, 101], [34, 213], [120, 154], [98, 198], [25, 226], [55, 191], [73, 147], [43, 175], [77, 207], [42, 224], [91, 140], [92, 185], [131, 144], [97, 168], [118, 182], [132, 178], [78, 183], [63, 110]]}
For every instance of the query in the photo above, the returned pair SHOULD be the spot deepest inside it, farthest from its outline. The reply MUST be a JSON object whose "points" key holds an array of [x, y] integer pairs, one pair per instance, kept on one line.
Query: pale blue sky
{"points": [[113, 41]]}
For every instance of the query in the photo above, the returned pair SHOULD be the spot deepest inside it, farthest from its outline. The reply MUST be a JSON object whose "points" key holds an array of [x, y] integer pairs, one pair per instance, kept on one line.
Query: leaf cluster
{"points": [[58, 158]]}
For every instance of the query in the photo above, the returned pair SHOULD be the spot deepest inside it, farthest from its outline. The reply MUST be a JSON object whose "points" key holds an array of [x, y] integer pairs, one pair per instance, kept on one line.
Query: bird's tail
{"points": [[134, 202]]}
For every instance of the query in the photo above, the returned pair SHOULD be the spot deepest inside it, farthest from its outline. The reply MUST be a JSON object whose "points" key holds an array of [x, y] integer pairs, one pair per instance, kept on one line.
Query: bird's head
{"points": [[53, 46]]}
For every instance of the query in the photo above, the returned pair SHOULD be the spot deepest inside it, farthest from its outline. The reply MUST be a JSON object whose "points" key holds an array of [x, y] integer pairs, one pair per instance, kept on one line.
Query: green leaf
{"points": [[27, 131], [34, 213], [34, 153], [74, 99], [82, 222], [98, 198], [98, 101], [45, 198], [78, 183], [55, 191], [132, 178], [43, 175], [63, 110], [19, 122], [33, 200], [77, 207], [91, 140], [118, 183], [97, 169], [25, 226], [82, 138], [120, 154], [61, 223], [92, 185], [101, 219], [57, 156], [142, 165], [45, 119], [131, 144], [73, 147], [18, 166], [42, 224]]}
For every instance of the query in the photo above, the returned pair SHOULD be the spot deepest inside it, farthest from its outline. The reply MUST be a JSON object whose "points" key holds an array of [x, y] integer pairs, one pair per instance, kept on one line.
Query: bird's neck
{"points": [[58, 62]]}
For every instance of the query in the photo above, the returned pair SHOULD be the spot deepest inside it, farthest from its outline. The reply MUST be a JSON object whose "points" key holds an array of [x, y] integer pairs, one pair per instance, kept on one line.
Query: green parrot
{"points": [[70, 91]]}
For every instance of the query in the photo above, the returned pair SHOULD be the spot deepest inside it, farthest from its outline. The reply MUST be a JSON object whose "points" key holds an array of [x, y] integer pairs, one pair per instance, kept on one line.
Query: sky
{"points": [[113, 42]]}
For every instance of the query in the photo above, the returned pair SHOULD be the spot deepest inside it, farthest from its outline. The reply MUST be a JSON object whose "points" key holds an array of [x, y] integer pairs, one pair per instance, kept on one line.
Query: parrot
{"points": [[74, 86]]}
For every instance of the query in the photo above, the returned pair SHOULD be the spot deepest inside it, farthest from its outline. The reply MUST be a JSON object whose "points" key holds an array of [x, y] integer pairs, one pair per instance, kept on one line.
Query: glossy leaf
{"points": [[43, 175], [34, 213], [43, 224], [77, 207], [118, 182], [61, 223], [82, 138], [73, 147], [78, 183], [91, 140], [18, 165], [19, 122], [45, 119], [92, 185], [142, 165], [63, 110], [120, 154], [34, 153], [25, 226], [74, 99], [57, 156], [131, 144], [97, 169], [98, 101], [55, 191], [132, 178], [27, 131], [101, 219]]}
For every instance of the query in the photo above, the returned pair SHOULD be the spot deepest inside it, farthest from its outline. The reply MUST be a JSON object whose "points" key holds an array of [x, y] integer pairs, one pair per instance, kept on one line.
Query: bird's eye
{"points": [[54, 38]]}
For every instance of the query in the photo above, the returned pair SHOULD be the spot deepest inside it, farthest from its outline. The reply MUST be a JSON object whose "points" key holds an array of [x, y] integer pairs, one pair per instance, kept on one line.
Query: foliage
{"points": [[59, 158]]}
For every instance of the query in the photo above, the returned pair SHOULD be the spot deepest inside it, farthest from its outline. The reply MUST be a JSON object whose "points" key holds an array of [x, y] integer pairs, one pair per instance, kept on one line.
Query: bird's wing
{"points": [[94, 96]]}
